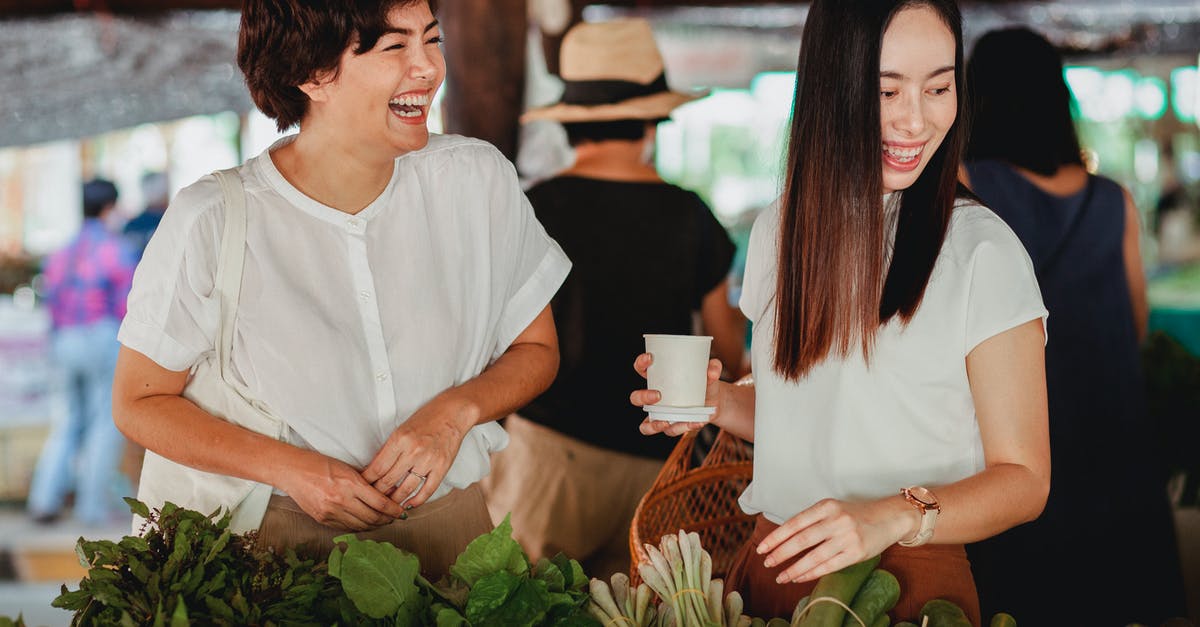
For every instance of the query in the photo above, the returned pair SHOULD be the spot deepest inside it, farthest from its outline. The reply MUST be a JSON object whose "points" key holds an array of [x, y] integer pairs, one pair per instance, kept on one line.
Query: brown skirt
{"points": [[925, 572], [436, 531]]}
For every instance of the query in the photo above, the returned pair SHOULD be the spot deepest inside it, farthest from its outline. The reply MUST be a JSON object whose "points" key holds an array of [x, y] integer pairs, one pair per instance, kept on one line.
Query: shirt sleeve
{"points": [[758, 281], [529, 266], [1003, 291], [716, 251], [173, 308]]}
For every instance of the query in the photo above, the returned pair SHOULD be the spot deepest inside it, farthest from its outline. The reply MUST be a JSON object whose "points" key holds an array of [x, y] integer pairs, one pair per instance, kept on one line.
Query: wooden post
{"points": [[485, 69]]}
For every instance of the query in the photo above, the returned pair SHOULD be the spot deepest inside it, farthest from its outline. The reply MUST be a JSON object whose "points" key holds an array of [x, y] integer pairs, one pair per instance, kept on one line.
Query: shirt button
{"points": [[382, 376], [353, 223], [364, 296]]}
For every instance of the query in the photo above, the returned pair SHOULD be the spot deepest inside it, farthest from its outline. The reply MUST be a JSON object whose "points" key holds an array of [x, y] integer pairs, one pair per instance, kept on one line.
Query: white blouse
{"points": [[349, 323], [857, 431]]}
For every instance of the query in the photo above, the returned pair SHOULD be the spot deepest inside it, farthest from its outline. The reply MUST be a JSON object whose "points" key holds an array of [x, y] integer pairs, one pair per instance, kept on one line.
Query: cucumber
{"points": [[1002, 619], [796, 614], [943, 613], [842, 585], [882, 621], [877, 595]]}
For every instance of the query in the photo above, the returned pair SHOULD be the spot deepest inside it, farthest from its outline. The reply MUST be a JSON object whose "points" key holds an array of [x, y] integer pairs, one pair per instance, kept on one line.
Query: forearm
{"points": [[983, 505], [728, 346], [515, 379], [727, 327], [177, 429], [736, 410]]}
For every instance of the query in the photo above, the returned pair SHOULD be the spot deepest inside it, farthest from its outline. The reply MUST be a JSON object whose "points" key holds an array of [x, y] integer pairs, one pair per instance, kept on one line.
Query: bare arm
{"points": [[148, 407], [1135, 275], [1008, 383], [727, 325], [428, 442]]}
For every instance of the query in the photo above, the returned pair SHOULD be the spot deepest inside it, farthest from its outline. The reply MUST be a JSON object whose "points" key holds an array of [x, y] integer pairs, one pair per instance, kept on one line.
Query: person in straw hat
{"points": [[577, 447]]}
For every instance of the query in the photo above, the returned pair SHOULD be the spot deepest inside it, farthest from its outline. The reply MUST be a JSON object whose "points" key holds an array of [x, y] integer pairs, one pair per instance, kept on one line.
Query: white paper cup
{"points": [[680, 368]]}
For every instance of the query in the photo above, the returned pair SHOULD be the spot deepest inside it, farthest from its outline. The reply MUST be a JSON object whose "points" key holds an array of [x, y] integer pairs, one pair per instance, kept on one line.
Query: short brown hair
{"points": [[283, 44]]}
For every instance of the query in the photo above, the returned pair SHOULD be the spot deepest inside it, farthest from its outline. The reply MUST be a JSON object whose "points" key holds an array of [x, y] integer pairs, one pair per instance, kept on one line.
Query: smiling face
{"points": [[382, 96], [918, 97]]}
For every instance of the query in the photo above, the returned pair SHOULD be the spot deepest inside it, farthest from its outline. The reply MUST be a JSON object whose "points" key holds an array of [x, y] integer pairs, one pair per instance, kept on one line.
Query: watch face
{"points": [[924, 496]]}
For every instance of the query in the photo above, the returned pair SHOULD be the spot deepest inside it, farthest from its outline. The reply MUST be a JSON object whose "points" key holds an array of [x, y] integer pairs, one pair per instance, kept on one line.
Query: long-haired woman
{"points": [[899, 402]]}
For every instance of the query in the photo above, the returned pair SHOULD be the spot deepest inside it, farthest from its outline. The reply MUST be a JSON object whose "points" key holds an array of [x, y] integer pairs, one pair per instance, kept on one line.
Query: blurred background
{"points": [[122, 88]]}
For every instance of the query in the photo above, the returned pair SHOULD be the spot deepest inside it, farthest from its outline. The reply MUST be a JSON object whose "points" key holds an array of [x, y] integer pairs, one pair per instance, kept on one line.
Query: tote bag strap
{"points": [[229, 265], [247, 514]]}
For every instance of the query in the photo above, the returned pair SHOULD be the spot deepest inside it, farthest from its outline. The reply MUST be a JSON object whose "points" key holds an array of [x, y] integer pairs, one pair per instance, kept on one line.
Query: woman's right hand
{"points": [[641, 398], [335, 494]]}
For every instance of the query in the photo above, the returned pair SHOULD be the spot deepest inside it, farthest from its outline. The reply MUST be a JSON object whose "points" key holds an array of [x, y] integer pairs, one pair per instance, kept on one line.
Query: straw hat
{"points": [[611, 71]]}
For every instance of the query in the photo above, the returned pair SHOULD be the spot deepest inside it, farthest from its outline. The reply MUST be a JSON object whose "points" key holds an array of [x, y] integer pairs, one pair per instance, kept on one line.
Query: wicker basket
{"points": [[701, 498]]}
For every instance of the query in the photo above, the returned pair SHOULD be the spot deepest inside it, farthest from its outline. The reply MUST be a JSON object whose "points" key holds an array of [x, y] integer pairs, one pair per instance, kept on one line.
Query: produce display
{"points": [[187, 568]]}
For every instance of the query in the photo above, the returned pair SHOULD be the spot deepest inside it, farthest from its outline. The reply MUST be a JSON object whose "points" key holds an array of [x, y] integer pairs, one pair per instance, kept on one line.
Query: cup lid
{"points": [[677, 337]]}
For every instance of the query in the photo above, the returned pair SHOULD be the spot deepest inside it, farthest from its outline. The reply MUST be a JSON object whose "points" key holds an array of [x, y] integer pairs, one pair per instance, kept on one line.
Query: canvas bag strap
{"points": [[248, 514], [229, 265]]}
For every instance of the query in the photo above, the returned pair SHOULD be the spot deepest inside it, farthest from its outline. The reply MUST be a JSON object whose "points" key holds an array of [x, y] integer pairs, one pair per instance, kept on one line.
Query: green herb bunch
{"points": [[188, 568], [492, 583]]}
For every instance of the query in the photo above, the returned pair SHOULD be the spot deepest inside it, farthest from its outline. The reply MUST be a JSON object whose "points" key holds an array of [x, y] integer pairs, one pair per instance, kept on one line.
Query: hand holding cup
{"points": [[683, 384]]}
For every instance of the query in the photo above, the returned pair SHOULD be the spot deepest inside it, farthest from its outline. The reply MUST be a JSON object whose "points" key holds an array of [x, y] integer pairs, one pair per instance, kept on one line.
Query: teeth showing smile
{"points": [[902, 155], [409, 105]]}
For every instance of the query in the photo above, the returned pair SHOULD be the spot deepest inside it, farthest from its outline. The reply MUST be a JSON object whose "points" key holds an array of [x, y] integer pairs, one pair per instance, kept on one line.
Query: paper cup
{"points": [[680, 368]]}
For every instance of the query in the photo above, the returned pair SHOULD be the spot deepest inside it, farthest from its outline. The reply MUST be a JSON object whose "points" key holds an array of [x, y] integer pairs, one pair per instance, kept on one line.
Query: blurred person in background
{"points": [[898, 407], [392, 302], [1107, 514], [86, 284], [156, 194], [576, 466]]}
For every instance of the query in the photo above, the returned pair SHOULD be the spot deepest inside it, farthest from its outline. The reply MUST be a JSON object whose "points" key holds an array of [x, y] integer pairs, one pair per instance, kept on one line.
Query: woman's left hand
{"points": [[836, 534], [416, 457]]}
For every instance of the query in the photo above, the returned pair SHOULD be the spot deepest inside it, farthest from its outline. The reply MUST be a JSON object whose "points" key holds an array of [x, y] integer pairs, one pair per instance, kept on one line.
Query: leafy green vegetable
{"points": [[489, 553], [378, 577], [188, 568]]}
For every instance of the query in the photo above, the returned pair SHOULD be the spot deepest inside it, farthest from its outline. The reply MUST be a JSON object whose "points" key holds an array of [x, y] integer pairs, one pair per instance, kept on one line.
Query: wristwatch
{"points": [[927, 504]]}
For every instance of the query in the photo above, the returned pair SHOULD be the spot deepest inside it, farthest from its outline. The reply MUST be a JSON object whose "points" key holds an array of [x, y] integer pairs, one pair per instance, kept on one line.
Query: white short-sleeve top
{"points": [[856, 431], [347, 324]]}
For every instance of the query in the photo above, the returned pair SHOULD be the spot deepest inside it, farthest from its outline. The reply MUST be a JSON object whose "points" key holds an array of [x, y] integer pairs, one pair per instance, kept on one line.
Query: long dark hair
{"points": [[1020, 104], [831, 293]]}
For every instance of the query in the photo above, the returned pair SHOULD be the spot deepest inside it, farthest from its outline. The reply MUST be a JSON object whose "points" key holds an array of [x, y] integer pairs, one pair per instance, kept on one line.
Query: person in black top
{"points": [[647, 256]]}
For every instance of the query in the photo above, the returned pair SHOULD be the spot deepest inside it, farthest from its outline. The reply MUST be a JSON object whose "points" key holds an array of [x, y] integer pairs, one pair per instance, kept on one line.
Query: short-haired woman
{"points": [[391, 300], [899, 403]]}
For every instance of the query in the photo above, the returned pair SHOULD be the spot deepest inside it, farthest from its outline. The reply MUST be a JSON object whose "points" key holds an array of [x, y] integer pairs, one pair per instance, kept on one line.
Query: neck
{"points": [[334, 171], [1069, 179], [614, 160]]}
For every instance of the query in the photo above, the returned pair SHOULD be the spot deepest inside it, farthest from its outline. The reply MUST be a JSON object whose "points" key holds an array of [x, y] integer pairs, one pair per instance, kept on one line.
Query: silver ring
{"points": [[419, 476]]}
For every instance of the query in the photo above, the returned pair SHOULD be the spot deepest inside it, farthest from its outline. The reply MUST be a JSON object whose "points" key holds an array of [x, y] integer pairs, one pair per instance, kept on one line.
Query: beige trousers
{"points": [[568, 496], [436, 531]]}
